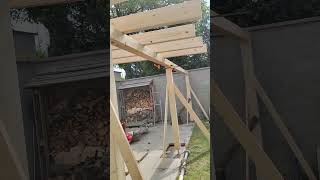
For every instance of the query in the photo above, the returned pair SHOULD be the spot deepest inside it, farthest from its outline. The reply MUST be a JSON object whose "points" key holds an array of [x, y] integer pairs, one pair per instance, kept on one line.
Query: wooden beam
{"points": [[188, 87], [164, 47], [284, 130], [124, 146], [125, 42], [200, 105], [193, 115], [263, 163], [168, 54], [113, 2], [189, 11], [225, 26], [35, 3], [164, 35], [165, 124], [173, 108]]}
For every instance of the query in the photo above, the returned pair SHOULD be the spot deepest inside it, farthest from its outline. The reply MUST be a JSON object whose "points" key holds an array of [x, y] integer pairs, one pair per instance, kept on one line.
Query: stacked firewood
{"points": [[138, 104], [78, 132]]}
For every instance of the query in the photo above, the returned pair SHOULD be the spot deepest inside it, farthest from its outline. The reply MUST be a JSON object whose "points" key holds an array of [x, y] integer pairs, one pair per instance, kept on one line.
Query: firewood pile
{"points": [[138, 104], [78, 134]]}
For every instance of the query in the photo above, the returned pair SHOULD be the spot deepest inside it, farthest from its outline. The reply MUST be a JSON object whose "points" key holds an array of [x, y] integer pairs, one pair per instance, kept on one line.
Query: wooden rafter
{"points": [[284, 131], [127, 43], [186, 12], [225, 26], [164, 47], [164, 35], [168, 54], [263, 163], [35, 3]]}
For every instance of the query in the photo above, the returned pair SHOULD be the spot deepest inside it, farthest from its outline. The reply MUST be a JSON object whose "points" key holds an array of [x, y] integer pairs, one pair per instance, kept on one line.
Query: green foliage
{"points": [[146, 68], [267, 11], [73, 27]]}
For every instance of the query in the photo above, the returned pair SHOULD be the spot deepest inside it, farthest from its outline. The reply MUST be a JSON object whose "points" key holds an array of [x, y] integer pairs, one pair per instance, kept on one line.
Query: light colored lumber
{"points": [[232, 120], [124, 146], [125, 42], [164, 35], [187, 79], [284, 130], [186, 12], [113, 2], [168, 54], [36, 3], [193, 115], [199, 103], [225, 26], [163, 47], [173, 108], [165, 124]]}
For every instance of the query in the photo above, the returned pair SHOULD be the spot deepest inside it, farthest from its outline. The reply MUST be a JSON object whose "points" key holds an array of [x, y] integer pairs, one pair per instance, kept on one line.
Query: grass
{"points": [[198, 163]]}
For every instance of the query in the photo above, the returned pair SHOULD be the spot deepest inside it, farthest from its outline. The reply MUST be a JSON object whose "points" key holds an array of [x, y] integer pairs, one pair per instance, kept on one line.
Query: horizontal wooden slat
{"points": [[223, 25], [127, 43], [35, 3], [184, 52], [163, 47], [164, 35], [186, 12]]}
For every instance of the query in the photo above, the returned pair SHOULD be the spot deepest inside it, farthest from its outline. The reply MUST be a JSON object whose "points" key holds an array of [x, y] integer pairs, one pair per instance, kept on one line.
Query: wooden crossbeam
{"points": [[223, 25], [193, 115], [284, 130], [186, 12], [127, 43], [168, 54], [199, 103], [164, 47], [35, 3], [124, 145], [164, 35], [263, 163]]}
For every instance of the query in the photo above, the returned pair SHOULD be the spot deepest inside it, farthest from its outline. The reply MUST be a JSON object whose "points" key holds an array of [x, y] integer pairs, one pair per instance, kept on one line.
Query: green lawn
{"points": [[198, 166]]}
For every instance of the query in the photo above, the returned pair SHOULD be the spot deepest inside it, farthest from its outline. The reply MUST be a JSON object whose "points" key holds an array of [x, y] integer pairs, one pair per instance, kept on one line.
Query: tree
{"points": [[146, 68]]}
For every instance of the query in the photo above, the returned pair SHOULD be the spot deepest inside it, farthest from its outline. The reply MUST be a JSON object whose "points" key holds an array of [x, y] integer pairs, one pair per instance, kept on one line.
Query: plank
{"points": [[230, 117], [125, 42], [187, 79], [164, 47], [225, 26], [165, 124], [164, 35], [193, 115], [284, 130], [168, 54], [189, 11], [124, 146], [173, 108], [35, 3], [199, 103]]}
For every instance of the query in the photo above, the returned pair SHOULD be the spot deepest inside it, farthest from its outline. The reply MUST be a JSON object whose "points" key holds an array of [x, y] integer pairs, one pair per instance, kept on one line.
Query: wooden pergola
{"points": [[174, 36], [251, 141]]}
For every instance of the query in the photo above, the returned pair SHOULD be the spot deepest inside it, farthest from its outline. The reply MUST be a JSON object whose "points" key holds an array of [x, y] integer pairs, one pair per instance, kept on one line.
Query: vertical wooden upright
{"points": [[173, 108], [188, 95]]}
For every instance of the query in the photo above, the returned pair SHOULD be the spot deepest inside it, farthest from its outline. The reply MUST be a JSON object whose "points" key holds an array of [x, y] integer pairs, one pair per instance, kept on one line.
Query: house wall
{"points": [[286, 58]]}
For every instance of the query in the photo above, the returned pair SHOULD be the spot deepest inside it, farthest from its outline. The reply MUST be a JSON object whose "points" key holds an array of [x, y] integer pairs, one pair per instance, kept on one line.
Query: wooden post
{"points": [[200, 105], [117, 169], [165, 124], [13, 156], [188, 87], [173, 108]]}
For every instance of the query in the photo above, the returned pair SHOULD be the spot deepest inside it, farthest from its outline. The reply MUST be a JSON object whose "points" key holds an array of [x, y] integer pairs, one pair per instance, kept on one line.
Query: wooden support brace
{"points": [[284, 130], [193, 115], [263, 163], [200, 105], [188, 87], [124, 145], [173, 108], [165, 124]]}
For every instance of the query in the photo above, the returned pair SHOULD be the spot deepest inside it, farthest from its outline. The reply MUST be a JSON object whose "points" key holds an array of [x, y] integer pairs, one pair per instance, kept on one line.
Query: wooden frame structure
{"points": [[155, 46], [250, 141]]}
